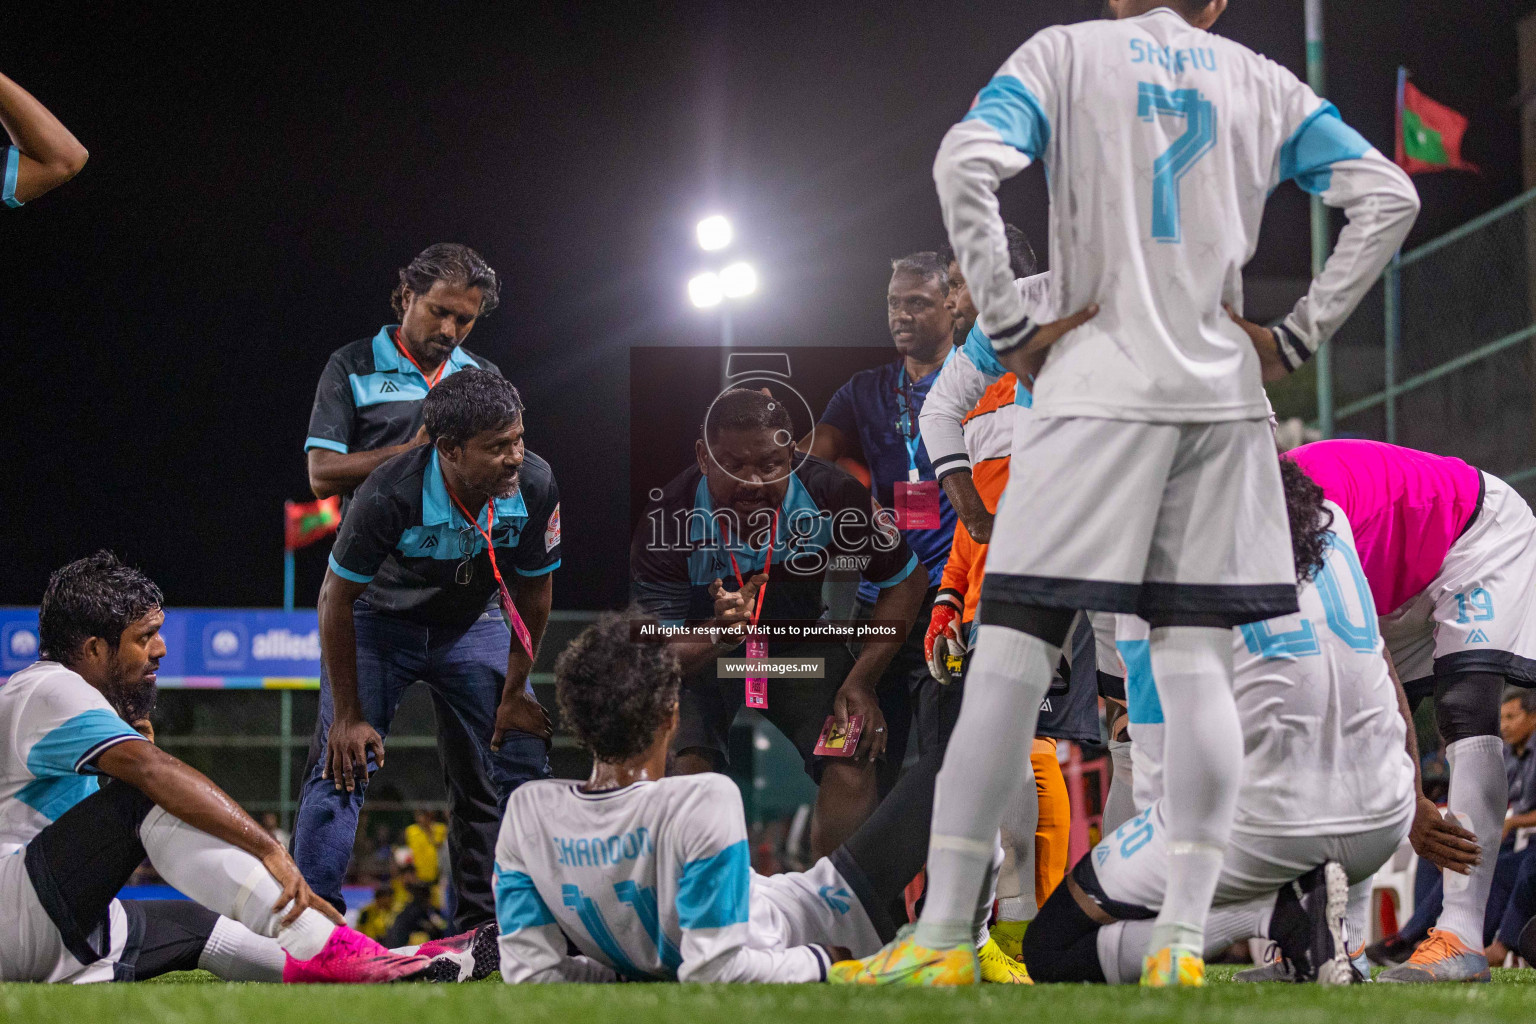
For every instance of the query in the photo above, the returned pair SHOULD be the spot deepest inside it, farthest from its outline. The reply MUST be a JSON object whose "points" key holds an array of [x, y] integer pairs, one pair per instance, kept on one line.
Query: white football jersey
{"points": [[967, 372], [53, 725], [1324, 741], [1161, 144], [652, 881]]}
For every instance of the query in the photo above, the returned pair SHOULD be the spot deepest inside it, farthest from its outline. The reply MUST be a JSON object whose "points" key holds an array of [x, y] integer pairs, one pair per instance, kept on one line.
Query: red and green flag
{"points": [[1428, 133], [305, 522]]}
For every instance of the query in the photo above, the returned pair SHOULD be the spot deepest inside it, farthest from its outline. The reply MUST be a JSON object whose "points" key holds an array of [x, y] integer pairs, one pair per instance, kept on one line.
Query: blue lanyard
{"points": [[909, 430]]}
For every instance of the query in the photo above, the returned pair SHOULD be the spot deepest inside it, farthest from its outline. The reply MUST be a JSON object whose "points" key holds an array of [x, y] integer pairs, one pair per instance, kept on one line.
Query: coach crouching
{"points": [[751, 508], [413, 592]]}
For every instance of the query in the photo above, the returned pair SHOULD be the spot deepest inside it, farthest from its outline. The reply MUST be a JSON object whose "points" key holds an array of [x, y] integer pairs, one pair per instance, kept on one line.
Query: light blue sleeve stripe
{"points": [[347, 574], [978, 349], [715, 891], [64, 748], [518, 903], [1008, 106], [1142, 704], [538, 572], [905, 572], [12, 169], [51, 797], [1322, 140], [320, 442]]}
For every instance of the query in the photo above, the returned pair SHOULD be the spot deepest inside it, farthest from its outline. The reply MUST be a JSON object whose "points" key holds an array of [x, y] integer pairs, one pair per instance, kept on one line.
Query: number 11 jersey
{"points": [[1161, 143]]}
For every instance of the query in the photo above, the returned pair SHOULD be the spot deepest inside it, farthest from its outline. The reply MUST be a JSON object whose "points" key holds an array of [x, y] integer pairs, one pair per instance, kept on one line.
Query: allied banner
{"points": [[206, 648]]}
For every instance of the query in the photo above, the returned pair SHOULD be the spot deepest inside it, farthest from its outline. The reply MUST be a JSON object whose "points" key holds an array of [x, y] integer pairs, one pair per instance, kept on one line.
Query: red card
{"points": [[839, 741], [757, 686], [917, 505]]}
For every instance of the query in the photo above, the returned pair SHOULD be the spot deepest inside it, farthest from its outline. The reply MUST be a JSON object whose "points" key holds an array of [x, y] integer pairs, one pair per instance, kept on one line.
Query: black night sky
{"points": [[256, 179]]}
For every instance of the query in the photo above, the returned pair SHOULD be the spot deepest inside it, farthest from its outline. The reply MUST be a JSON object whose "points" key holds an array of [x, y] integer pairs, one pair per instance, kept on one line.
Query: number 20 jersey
{"points": [[1161, 143], [1323, 738]]}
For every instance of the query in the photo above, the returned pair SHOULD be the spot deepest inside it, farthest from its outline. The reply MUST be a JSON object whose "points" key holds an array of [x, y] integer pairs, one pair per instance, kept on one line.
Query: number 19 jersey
{"points": [[1161, 143]]}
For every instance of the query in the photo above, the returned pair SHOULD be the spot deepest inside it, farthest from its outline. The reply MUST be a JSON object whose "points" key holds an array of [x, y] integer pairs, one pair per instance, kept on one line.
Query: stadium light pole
{"points": [[731, 283], [1315, 78]]}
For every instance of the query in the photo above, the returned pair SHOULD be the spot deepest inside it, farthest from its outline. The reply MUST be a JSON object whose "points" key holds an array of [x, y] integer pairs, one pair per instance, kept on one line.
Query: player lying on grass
{"points": [[649, 877], [1326, 798], [1450, 556], [69, 841]]}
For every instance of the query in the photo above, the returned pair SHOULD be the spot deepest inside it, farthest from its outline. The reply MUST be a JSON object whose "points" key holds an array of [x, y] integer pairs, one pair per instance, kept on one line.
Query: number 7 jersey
{"points": [[1161, 143]]}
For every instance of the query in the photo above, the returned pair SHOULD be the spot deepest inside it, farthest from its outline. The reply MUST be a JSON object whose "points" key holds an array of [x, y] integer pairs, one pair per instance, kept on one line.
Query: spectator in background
{"points": [[1516, 930], [424, 837], [274, 828], [42, 155], [874, 417]]}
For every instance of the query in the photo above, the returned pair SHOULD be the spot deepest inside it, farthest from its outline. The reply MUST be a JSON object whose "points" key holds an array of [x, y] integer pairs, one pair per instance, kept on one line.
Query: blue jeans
{"points": [[465, 669]]}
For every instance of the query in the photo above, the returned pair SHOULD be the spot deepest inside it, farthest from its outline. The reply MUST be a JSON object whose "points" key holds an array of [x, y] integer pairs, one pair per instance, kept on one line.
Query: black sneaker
{"points": [[1390, 951], [1308, 925], [466, 957]]}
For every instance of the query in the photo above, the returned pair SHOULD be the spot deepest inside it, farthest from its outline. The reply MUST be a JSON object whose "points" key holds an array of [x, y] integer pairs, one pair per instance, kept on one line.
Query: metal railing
{"points": [[1456, 355]]}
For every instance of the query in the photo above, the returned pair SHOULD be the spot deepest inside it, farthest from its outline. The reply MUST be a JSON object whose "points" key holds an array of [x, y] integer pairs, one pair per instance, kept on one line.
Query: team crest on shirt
{"points": [[839, 899], [552, 531]]}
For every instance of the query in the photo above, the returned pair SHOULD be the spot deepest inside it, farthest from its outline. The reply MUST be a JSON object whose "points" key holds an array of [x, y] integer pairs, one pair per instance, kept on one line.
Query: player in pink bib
{"points": [[1450, 556]]}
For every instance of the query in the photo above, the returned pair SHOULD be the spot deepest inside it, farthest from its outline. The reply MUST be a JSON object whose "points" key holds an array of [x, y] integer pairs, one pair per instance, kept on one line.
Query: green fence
{"points": [[1455, 359]]}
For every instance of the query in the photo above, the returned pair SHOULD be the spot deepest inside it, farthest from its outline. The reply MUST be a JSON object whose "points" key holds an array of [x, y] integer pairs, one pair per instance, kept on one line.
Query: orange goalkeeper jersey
{"points": [[988, 441]]}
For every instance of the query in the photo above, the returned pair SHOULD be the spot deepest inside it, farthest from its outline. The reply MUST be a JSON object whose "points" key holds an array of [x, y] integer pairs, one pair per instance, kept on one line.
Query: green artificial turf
{"points": [[196, 998]]}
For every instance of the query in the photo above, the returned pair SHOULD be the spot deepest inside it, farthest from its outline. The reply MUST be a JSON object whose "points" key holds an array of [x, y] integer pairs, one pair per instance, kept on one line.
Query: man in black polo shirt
{"points": [[748, 495], [413, 593], [368, 404], [368, 410]]}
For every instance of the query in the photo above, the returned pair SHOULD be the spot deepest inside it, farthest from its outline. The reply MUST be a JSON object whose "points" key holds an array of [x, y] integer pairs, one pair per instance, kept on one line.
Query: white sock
{"points": [[1356, 928], [1480, 790], [1203, 762], [235, 953], [1016, 884], [228, 881], [982, 918], [1121, 805], [1123, 945], [1007, 679]]}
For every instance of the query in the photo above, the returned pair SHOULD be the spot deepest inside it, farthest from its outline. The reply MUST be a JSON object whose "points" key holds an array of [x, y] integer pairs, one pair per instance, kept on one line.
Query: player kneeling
{"points": [[650, 877], [69, 842], [1327, 793]]}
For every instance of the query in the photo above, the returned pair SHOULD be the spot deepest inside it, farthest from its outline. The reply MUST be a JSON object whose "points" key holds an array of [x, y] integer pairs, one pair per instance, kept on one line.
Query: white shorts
{"points": [[31, 948], [804, 907], [1479, 612], [1150, 518], [1131, 863]]}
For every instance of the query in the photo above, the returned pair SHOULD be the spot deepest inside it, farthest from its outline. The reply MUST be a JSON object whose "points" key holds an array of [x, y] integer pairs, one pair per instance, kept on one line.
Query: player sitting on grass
{"points": [[650, 876], [1326, 797], [81, 713]]}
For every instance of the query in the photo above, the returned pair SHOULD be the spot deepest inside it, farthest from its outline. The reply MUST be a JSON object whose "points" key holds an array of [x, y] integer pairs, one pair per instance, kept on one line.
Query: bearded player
{"points": [[1146, 481]]}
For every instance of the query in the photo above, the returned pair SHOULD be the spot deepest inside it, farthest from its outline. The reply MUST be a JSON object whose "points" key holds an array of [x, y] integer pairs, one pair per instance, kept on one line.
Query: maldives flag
{"points": [[305, 522], [1428, 133]]}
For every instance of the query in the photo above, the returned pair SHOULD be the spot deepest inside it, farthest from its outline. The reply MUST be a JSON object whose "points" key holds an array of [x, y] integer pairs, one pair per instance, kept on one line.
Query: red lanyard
{"points": [[513, 618], [436, 375], [757, 609]]}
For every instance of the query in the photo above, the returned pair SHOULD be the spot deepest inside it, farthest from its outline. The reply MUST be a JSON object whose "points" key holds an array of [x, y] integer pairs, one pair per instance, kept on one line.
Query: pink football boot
{"points": [[352, 958]]}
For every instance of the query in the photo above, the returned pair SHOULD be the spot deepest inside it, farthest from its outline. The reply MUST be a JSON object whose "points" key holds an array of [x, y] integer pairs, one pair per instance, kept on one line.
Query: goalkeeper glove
{"points": [[942, 645]]}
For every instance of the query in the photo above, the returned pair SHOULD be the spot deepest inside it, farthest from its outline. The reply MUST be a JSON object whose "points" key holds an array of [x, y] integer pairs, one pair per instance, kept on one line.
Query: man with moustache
{"points": [[875, 417], [368, 410], [441, 572]]}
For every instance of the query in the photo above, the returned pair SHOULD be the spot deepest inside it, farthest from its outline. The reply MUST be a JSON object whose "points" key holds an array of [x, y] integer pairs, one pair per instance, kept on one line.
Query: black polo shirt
{"points": [[826, 520], [370, 395], [405, 538]]}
